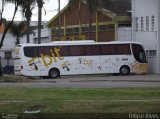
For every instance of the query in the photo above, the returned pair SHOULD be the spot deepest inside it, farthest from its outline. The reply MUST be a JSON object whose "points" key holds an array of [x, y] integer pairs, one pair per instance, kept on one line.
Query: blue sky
{"points": [[50, 6]]}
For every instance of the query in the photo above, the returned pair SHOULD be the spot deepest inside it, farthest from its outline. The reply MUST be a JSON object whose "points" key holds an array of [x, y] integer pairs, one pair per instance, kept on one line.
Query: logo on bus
{"points": [[46, 60]]}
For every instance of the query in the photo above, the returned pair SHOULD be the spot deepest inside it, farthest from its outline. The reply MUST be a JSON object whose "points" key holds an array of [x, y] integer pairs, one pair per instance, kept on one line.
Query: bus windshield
{"points": [[138, 53]]}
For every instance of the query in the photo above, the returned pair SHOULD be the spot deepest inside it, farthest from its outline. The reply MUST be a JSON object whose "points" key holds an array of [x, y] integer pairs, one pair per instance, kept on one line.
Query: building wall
{"points": [[70, 25], [145, 29], [158, 41], [125, 34]]}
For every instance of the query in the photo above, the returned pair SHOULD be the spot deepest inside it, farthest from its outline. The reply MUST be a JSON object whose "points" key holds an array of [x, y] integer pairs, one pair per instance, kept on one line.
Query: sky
{"points": [[50, 7]]}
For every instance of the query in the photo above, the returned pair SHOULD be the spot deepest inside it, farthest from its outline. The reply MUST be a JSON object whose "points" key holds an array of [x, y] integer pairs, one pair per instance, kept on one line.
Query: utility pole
{"points": [[59, 20]]}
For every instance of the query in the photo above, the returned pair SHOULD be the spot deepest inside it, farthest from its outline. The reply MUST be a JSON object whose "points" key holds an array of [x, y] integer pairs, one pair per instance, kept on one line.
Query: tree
{"points": [[16, 3], [27, 6], [40, 5], [18, 30]]}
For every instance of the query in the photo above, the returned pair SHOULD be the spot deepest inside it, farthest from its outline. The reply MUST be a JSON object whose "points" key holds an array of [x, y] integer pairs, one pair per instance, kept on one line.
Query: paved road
{"points": [[91, 81]]}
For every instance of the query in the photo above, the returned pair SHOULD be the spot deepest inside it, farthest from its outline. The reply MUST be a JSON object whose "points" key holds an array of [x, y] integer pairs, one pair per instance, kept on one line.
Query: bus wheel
{"points": [[124, 70], [54, 73]]}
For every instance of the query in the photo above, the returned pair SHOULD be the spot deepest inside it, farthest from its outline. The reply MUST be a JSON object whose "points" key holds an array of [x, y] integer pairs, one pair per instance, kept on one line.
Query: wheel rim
{"points": [[53, 73], [124, 71]]}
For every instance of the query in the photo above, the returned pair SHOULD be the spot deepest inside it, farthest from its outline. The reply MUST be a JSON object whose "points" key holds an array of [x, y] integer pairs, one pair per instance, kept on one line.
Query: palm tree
{"points": [[27, 6], [40, 5], [18, 30]]}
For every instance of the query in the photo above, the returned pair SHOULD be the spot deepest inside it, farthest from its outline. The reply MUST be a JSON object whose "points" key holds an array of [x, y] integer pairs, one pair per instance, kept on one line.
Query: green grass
{"points": [[65, 100]]}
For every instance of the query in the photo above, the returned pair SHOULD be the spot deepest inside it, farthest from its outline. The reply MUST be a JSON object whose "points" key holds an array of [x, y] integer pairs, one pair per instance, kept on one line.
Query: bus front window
{"points": [[138, 53]]}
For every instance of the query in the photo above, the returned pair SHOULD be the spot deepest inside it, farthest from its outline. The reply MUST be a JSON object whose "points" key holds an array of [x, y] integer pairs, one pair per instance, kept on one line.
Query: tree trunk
{"points": [[5, 32], [28, 17], [7, 28], [40, 5], [28, 30], [1, 74]]}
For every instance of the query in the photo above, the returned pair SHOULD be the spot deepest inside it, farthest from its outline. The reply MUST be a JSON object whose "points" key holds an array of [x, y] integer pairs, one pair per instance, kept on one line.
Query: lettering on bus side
{"points": [[46, 59]]}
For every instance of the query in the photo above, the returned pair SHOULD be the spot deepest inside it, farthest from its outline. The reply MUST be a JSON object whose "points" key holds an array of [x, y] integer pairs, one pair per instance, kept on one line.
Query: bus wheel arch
{"points": [[124, 70], [54, 73]]}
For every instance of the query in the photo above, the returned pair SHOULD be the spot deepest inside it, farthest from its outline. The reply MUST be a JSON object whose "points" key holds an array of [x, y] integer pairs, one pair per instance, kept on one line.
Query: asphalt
{"points": [[90, 81]]}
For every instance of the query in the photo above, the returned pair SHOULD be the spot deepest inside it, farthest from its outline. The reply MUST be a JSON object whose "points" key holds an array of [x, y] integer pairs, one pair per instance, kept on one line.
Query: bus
{"points": [[79, 57]]}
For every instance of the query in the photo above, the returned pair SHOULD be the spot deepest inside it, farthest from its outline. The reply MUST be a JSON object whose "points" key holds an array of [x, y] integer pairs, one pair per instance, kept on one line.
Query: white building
{"points": [[146, 29]]}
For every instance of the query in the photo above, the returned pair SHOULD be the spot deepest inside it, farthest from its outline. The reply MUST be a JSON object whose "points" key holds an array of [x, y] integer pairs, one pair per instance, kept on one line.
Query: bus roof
{"points": [[81, 42]]}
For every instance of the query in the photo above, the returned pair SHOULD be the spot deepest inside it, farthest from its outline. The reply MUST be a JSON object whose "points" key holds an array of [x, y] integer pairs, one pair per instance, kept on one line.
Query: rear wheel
{"points": [[54, 73], [124, 70]]}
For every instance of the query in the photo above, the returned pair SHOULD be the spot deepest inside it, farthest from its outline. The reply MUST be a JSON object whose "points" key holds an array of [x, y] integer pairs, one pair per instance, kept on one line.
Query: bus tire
{"points": [[124, 70], [54, 73]]}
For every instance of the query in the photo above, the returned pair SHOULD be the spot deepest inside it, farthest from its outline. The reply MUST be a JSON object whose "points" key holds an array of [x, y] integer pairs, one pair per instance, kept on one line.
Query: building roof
{"points": [[115, 8], [119, 7]]}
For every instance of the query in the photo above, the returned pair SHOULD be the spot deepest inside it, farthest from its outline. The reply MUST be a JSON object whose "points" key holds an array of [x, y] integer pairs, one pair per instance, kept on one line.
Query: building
{"points": [[146, 29], [74, 25]]}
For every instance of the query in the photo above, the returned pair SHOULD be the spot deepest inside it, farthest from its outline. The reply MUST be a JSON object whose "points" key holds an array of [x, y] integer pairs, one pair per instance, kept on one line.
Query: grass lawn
{"points": [[66, 100], [13, 78]]}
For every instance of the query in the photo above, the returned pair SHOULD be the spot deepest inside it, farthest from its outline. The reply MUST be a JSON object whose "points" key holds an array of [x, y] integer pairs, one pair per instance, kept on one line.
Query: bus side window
{"points": [[64, 51], [92, 50], [45, 50], [30, 51], [77, 50], [108, 49], [123, 49]]}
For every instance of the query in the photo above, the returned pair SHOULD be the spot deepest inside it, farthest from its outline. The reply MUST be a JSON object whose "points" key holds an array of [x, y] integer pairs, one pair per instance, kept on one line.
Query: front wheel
{"points": [[124, 70], [54, 73]]}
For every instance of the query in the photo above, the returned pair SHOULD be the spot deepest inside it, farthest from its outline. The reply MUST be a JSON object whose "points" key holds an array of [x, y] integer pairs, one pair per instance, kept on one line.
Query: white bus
{"points": [[79, 57]]}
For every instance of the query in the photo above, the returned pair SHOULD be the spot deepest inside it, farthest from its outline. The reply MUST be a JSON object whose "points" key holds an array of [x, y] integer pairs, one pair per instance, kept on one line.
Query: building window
{"points": [[151, 53], [102, 27], [152, 20], [142, 24], [54, 32], [106, 27], [8, 54], [136, 23], [84, 29], [111, 27], [69, 31], [147, 23], [76, 30]]}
